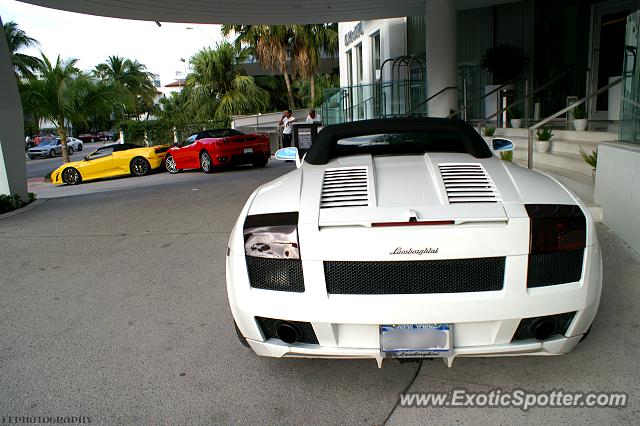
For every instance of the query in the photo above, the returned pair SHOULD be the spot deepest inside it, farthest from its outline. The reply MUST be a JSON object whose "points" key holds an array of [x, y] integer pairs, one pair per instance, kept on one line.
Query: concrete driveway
{"points": [[113, 306]]}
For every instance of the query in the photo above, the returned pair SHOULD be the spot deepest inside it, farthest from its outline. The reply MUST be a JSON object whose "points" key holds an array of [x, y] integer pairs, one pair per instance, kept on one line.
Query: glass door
{"points": [[607, 55], [630, 125]]}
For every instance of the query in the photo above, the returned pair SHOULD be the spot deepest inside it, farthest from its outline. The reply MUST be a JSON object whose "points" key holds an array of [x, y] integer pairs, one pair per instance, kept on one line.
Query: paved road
{"points": [[114, 306], [39, 167]]}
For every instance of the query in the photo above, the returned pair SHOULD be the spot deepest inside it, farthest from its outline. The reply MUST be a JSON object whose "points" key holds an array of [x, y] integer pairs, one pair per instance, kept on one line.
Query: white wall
{"points": [[618, 190], [393, 34]]}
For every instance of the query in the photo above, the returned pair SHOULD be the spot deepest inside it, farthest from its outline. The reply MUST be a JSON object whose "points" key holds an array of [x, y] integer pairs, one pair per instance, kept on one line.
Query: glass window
{"points": [[375, 55], [402, 143], [630, 124], [100, 153]]}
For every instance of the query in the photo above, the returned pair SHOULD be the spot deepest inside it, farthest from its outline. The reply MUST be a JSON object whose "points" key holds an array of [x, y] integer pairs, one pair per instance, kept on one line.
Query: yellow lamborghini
{"points": [[111, 160]]}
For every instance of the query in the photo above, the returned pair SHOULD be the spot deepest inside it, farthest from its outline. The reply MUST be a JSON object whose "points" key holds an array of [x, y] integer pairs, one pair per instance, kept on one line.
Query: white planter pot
{"points": [[543, 146], [516, 123], [580, 124]]}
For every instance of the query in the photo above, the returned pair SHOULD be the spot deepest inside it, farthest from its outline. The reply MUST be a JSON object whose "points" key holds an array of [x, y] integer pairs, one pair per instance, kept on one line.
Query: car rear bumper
{"points": [[483, 323]]}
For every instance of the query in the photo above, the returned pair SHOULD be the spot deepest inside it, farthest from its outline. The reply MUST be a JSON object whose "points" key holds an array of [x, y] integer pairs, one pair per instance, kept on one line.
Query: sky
{"points": [[93, 39]]}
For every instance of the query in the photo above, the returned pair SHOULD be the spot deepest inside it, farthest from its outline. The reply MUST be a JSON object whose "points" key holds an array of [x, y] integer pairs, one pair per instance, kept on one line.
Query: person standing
{"points": [[287, 132], [313, 117]]}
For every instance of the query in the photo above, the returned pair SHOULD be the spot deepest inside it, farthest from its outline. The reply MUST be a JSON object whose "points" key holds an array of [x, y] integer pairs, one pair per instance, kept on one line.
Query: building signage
{"points": [[354, 34]]}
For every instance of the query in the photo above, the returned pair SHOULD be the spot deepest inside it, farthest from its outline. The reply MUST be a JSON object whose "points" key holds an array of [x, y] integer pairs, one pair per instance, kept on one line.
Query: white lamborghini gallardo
{"points": [[408, 238]]}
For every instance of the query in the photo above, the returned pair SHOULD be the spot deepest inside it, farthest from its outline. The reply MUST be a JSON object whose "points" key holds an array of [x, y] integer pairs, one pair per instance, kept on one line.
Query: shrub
{"points": [[9, 203], [544, 134], [590, 159], [488, 131], [506, 156]]}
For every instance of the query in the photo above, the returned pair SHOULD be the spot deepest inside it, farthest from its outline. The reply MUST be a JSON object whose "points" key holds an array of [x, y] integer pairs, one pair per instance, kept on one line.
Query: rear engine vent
{"points": [[415, 276], [468, 183], [345, 187]]}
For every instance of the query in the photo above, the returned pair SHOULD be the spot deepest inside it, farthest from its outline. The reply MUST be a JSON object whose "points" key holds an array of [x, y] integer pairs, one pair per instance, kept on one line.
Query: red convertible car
{"points": [[209, 149]]}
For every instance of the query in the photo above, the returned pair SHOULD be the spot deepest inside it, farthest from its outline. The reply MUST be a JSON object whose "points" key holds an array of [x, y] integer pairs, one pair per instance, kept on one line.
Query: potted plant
{"points": [[544, 136], [590, 159], [579, 118], [506, 156], [488, 131], [516, 117]]}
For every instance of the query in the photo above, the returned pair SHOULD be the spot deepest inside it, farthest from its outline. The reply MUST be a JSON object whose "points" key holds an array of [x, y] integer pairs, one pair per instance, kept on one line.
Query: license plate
{"points": [[248, 150], [416, 340]]}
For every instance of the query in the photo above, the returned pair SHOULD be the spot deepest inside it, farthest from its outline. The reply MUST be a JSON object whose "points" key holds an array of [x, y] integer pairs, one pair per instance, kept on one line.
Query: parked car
{"points": [[46, 148], [109, 161], [41, 138], [74, 145], [210, 149], [89, 137], [409, 238]]}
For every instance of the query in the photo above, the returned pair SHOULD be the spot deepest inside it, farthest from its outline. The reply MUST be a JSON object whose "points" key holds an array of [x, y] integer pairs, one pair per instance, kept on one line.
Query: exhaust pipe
{"points": [[543, 328], [288, 332]]}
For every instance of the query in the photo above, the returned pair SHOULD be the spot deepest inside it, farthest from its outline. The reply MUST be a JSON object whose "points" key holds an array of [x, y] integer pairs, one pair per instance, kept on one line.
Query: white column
{"points": [[441, 29], [13, 167]]}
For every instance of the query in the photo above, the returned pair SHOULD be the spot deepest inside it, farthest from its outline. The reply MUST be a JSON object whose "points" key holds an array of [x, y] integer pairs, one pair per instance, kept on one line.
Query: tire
{"points": [[261, 161], [139, 166], [52, 153], [31, 157], [70, 150], [79, 147], [206, 164], [71, 176], [243, 341], [170, 165]]}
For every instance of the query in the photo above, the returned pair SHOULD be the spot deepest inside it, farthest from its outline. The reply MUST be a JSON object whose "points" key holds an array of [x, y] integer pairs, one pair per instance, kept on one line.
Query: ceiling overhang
{"points": [[240, 11]]}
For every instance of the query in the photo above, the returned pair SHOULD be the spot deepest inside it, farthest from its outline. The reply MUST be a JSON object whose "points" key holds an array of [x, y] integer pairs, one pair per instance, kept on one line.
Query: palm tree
{"points": [[309, 42], [271, 45], [130, 78], [64, 94], [218, 88], [23, 65]]}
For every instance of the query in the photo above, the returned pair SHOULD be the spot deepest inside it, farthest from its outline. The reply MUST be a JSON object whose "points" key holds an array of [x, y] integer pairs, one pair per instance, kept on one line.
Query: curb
{"points": [[24, 209]]}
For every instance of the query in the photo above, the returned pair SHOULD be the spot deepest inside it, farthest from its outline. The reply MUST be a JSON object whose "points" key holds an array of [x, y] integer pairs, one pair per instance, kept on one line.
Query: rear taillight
{"points": [[558, 235], [556, 228]]}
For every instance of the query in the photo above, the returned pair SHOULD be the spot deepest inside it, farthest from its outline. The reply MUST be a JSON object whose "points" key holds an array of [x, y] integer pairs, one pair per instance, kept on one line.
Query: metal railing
{"points": [[559, 113]]}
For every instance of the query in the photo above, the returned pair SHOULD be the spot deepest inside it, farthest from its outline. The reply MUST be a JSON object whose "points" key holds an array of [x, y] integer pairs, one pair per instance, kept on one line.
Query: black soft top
{"points": [[323, 148]]}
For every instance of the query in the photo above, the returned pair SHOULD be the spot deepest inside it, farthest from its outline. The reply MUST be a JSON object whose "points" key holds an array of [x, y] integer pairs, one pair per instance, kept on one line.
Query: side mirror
{"points": [[288, 154], [499, 144]]}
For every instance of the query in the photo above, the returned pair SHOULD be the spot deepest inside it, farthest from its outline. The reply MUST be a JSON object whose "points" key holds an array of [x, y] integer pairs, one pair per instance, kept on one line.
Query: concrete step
{"points": [[569, 135], [558, 160], [561, 145]]}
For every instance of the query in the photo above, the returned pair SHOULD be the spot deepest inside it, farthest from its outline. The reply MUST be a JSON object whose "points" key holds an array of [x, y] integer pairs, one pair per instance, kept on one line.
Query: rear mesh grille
{"points": [[275, 274], [415, 277], [523, 332], [345, 187], [547, 269], [268, 327], [468, 183]]}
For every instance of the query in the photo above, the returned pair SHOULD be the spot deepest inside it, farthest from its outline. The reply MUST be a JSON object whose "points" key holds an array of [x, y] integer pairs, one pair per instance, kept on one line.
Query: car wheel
{"points": [[261, 161], [52, 153], [71, 176], [170, 165], [79, 147], [240, 336], [139, 166], [31, 157], [205, 162], [70, 150]]}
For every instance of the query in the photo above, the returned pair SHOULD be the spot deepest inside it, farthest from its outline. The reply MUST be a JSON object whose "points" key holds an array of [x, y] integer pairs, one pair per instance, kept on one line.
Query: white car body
{"points": [[418, 189], [74, 143]]}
